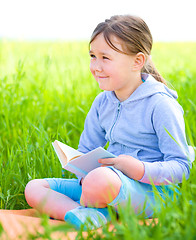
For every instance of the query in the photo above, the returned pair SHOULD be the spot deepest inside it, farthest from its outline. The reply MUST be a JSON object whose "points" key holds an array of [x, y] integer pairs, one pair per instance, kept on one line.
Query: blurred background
{"points": [[169, 20]]}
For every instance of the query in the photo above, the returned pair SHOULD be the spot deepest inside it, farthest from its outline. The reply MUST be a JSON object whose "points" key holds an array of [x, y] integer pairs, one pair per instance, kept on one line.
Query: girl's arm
{"points": [[168, 123], [93, 135]]}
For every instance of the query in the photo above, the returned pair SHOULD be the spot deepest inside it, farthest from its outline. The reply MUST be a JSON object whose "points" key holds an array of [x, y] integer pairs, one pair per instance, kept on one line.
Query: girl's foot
{"points": [[92, 217]]}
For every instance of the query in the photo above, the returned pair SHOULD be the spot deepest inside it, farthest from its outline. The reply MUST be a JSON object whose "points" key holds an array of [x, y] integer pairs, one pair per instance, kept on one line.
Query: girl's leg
{"points": [[40, 196], [100, 187]]}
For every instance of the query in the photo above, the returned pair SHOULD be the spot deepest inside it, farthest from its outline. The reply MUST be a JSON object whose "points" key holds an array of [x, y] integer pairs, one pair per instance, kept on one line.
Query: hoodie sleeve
{"points": [[93, 135], [169, 126]]}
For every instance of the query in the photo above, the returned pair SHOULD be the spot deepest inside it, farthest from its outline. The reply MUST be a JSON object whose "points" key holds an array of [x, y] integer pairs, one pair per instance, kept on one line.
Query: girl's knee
{"points": [[100, 187], [35, 184], [33, 189]]}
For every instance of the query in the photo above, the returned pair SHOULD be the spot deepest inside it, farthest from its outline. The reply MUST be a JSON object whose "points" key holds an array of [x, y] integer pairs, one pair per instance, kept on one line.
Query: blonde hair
{"points": [[135, 35]]}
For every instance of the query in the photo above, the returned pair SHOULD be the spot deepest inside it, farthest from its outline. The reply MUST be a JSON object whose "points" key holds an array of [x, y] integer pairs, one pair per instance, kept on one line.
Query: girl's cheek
{"points": [[93, 72], [92, 68]]}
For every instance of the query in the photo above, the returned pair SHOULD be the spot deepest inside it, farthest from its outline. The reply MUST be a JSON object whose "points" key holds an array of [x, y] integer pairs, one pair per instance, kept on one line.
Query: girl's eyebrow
{"points": [[101, 53]]}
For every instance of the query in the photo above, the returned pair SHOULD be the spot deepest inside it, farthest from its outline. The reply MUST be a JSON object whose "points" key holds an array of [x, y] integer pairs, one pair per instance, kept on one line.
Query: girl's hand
{"points": [[130, 166]]}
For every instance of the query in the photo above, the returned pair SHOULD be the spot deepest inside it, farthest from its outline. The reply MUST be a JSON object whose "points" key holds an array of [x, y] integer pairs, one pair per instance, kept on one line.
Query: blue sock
{"points": [[92, 217]]}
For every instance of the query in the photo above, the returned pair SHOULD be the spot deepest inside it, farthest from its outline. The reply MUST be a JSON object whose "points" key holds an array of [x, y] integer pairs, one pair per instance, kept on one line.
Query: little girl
{"points": [[140, 118]]}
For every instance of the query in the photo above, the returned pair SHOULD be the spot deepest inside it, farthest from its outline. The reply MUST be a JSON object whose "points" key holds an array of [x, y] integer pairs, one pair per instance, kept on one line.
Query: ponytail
{"points": [[150, 68]]}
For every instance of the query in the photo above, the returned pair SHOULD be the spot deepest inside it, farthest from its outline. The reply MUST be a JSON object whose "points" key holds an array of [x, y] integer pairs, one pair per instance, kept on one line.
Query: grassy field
{"points": [[46, 90]]}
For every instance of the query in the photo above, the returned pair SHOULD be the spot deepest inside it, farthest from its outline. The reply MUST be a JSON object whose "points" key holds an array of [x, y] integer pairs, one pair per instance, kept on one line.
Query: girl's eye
{"points": [[92, 56], [104, 57]]}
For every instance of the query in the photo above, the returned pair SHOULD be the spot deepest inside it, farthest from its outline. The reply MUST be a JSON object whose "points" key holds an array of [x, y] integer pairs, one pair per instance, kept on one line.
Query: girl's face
{"points": [[114, 71]]}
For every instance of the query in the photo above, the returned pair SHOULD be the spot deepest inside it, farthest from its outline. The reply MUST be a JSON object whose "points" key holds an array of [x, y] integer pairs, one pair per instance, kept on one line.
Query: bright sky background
{"points": [[168, 20]]}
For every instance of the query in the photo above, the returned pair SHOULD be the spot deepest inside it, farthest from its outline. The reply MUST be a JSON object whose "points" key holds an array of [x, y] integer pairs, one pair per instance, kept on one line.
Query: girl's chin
{"points": [[105, 88]]}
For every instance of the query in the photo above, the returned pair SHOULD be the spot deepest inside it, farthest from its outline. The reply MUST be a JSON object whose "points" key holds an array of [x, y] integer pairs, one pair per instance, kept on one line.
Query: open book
{"points": [[77, 162]]}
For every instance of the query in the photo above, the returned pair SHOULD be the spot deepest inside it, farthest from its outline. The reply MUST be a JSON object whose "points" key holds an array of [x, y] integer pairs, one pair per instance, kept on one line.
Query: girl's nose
{"points": [[96, 66]]}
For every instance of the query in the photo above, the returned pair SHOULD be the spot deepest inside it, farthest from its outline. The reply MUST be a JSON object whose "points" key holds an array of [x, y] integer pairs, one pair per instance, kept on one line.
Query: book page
{"points": [[87, 162], [62, 157], [65, 152]]}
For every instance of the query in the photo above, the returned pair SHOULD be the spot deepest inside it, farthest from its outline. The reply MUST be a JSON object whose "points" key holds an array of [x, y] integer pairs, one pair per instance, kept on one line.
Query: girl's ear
{"points": [[139, 61]]}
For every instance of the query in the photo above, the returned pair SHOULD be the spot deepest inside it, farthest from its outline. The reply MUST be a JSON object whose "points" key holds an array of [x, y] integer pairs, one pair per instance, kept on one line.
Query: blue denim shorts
{"points": [[69, 187], [140, 195]]}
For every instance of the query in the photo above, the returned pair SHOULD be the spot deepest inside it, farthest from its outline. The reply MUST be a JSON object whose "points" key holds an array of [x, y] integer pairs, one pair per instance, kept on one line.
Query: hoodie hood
{"points": [[150, 87]]}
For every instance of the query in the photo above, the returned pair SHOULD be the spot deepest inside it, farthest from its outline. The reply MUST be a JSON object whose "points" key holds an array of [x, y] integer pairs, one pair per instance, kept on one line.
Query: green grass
{"points": [[46, 90]]}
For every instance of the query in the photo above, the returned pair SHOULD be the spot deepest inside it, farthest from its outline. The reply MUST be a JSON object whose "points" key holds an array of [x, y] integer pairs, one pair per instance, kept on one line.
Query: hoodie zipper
{"points": [[117, 115]]}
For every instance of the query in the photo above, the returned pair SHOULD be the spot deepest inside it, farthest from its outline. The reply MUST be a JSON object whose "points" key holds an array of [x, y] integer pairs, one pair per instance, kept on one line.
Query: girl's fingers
{"points": [[104, 165], [107, 161]]}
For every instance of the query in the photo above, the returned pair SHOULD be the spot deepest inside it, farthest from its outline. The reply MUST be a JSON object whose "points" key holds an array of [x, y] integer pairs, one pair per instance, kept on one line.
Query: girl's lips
{"points": [[101, 77]]}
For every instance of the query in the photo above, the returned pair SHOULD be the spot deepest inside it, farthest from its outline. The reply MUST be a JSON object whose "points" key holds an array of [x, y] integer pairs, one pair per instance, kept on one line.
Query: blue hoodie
{"points": [[149, 126]]}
